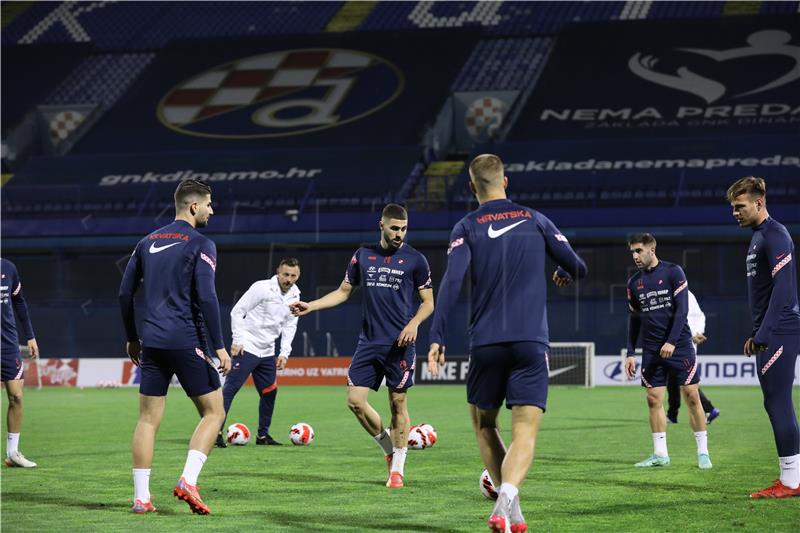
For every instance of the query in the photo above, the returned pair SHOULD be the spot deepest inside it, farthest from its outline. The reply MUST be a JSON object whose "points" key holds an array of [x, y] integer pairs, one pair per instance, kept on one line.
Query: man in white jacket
{"points": [[258, 318], [697, 325]]}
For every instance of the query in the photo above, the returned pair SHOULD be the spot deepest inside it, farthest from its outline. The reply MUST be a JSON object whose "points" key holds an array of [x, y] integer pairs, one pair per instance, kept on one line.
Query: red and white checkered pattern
{"points": [[487, 112], [680, 288], [771, 361], [785, 261], [63, 124], [257, 79], [691, 374]]}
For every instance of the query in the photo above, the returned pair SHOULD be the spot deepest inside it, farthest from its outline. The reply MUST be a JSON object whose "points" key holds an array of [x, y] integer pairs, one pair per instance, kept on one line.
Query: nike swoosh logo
{"points": [[779, 257], [155, 249], [554, 373], [495, 233]]}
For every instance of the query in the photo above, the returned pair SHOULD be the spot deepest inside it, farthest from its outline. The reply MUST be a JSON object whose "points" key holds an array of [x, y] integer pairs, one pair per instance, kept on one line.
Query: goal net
{"points": [[571, 363]]}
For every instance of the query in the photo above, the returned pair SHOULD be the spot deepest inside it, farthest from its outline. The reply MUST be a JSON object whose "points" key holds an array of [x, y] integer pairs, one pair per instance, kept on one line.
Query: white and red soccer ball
{"points": [[421, 437], [301, 434], [238, 434], [487, 487]]}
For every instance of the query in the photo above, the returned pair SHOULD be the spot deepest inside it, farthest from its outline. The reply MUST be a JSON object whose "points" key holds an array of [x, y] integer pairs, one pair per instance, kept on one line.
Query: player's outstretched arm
{"points": [[409, 334], [332, 299], [570, 264]]}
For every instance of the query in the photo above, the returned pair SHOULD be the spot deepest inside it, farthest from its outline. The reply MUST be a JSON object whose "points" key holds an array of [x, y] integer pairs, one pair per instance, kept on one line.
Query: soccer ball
{"points": [[421, 437], [431, 432], [238, 434], [488, 489], [417, 438], [301, 434]]}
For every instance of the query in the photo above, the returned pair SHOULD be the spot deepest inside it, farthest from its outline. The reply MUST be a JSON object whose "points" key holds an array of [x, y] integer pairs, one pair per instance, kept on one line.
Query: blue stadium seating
{"points": [[504, 64], [100, 79], [151, 25]]}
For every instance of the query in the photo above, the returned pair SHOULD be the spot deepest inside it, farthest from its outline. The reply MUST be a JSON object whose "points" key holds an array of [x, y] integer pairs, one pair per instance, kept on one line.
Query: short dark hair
{"points": [[289, 262], [187, 189], [395, 211], [748, 185], [644, 238]]}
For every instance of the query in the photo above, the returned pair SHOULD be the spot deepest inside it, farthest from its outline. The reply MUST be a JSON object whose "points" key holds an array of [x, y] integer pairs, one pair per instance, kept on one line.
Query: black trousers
{"points": [[674, 398]]}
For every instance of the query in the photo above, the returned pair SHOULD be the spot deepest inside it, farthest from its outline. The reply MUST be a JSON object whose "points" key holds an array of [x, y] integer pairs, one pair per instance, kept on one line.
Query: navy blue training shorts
{"points": [[11, 366], [512, 371], [372, 362], [656, 369], [195, 372]]}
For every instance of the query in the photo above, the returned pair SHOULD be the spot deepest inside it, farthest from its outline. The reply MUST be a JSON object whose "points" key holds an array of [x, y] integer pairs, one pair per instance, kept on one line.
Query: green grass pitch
{"points": [[582, 479]]}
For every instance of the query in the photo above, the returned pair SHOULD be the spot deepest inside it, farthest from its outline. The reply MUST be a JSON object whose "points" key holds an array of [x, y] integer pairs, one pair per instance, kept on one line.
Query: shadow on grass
{"points": [[372, 523], [644, 486], [620, 509], [29, 498], [281, 478], [546, 429]]}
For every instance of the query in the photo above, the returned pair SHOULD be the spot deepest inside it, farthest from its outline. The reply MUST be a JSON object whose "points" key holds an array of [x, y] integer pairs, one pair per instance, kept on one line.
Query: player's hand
{"points": [[560, 280], [224, 361], [300, 308], [749, 347], [236, 350], [33, 348], [630, 367], [435, 358], [699, 338], [667, 350], [134, 348], [408, 336], [281, 363]]}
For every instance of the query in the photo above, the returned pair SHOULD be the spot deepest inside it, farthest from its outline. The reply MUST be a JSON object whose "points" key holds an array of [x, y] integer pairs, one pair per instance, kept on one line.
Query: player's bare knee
{"points": [[214, 412], [356, 405], [398, 404], [654, 402], [218, 418], [15, 399], [150, 419], [485, 421]]}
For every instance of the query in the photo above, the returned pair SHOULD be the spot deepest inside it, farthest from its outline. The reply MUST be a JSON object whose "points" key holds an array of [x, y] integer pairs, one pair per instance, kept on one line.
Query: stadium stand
{"points": [[128, 26], [104, 54], [100, 79], [503, 64]]}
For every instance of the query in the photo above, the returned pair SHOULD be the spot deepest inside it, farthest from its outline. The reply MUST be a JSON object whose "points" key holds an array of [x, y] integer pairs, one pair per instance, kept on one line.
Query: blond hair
{"points": [[486, 171], [748, 185]]}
